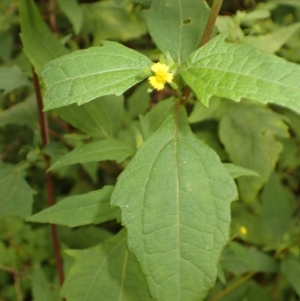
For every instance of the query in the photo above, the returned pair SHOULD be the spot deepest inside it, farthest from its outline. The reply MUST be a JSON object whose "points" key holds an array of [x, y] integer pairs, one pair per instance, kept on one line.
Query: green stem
{"points": [[232, 287]]}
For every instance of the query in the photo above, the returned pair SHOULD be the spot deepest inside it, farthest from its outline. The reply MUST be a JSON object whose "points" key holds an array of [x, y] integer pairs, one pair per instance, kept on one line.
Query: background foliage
{"points": [[91, 144]]}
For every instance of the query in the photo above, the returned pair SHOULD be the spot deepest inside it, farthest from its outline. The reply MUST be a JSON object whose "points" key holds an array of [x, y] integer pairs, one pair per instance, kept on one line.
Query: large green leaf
{"points": [[16, 195], [276, 216], [84, 75], [107, 149], [99, 118], [248, 132], [236, 71], [175, 198], [106, 272], [40, 45], [78, 210], [177, 26]]}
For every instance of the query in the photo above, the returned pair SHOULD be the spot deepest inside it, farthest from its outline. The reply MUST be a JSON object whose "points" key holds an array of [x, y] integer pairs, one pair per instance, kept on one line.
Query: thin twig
{"points": [[49, 186]]}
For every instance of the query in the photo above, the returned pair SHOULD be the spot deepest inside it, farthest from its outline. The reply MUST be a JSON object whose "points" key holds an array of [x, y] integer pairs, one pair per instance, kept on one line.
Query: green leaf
{"points": [[40, 286], [82, 237], [175, 198], [139, 101], [40, 45], [290, 268], [155, 117], [12, 78], [177, 26], [106, 272], [107, 149], [272, 42], [107, 21], [238, 171], [99, 118], [16, 194], [276, 214], [87, 74], [248, 132], [78, 210], [201, 112], [73, 12], [239, 259], [236, 71], [24, 113]]}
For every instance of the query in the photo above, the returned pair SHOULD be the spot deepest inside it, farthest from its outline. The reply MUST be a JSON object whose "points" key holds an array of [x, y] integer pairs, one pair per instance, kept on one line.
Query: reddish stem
{"points": [[49, 185]]}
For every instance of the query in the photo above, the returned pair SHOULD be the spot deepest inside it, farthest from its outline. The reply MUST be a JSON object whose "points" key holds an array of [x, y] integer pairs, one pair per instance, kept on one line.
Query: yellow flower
{"points": [[243, 230], [161, 77]]}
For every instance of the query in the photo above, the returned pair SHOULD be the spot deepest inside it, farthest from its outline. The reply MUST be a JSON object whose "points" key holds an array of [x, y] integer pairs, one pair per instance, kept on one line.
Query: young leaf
{"points": [[175, 198], [236, 71], [99, 118], [78, 210], [16, 197], [106, 272], [40, 45], [86, 74], [177, 26], [107, 149], [248, 132]]}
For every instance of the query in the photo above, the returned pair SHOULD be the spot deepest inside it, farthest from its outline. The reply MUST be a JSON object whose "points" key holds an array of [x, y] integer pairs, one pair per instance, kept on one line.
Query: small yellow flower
{"points": [[243, 230], [161, 77]]}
